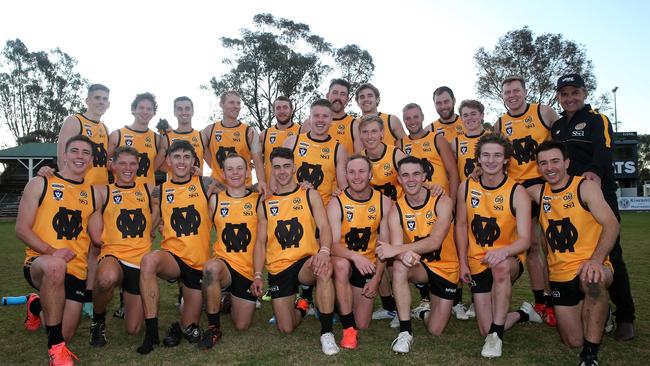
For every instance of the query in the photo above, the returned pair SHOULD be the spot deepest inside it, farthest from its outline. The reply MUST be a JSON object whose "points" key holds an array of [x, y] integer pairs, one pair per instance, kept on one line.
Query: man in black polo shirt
{"points": [[587, 135]]}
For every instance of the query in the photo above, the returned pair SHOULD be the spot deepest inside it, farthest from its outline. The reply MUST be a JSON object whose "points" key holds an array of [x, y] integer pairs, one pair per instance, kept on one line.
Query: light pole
{"points": [[615, 114]]}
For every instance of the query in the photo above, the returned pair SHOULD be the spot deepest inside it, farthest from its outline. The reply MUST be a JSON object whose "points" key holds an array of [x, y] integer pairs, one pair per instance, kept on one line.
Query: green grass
{"points": [[526, 344]]}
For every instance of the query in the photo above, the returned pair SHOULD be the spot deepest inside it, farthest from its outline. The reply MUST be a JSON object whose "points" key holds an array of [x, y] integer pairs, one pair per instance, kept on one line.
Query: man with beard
{"points": [[449, 124], [367, 97]]}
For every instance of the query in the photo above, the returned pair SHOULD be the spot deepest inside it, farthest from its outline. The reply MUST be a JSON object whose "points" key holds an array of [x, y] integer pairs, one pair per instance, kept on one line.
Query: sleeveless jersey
{"points": [[316, 163], [465, 154], [491, 219], [384, 173], [227, 140], [61, 220], [185, 213], [127, 223], [274, 137], [194, 138], [417, 223], [360, 223], [235, 220], [570, 230], [450, 130], [291, 229], [145, 143], [425, 148], [97, 132], [526, 131], [341, 130], [389, 136]]}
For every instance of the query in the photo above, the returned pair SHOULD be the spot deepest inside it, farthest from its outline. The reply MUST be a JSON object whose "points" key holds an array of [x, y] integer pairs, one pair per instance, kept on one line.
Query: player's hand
{"points": [[64, 253], [363, 264], [369, 290], [98, 244], [306, 185], [465, 274], [263, 190], [385, 250], [410, 258], [215, 187], [337, 191], [257, 287], [320, 263], [591, 271], [46, 171], [436, 189], [494, 257], [196, 171], [476, 173], [591, 176]]}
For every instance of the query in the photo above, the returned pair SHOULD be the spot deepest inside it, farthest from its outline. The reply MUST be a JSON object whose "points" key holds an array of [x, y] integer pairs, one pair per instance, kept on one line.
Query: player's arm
{"points": [[96, 220], [497, 126], [306, 125], [534, 192], [363, 264], [164, 145], [113, 141], [155, 207], [258, 160], [396, 127], [341, 160], [71, 127], [205, 137], [383, 237], [161, 153], [449, 161], [462, 230], [259, 252], [358, 145], [321, 260], [549, 115]]}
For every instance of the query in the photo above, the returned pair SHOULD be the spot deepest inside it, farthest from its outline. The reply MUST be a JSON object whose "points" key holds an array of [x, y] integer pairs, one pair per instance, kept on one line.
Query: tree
{"points": [[539, 60], [644, 158], [37, 91], [282, 57]]}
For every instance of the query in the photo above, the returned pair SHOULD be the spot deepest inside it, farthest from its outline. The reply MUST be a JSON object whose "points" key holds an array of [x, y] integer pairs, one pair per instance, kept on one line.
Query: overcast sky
{"points": [[173, 48]]}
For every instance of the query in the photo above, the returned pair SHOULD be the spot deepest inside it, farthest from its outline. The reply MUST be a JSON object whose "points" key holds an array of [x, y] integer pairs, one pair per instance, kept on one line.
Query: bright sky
{"points": [[172, 48]]}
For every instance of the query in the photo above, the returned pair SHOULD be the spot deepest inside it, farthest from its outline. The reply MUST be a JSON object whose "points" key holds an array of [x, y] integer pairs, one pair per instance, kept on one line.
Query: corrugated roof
{"points": [[31, 150]]}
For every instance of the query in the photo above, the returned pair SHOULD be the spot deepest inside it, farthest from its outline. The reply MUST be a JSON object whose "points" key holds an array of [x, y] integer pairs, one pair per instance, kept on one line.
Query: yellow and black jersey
{"points": [[235, 220], [228, 140], [61, 220], [384, 173], [465, 154], [127, 223], [417, 223], [389, 136], [291, 230], [316, 163], [341, 130], [97, 132], [194, 138], [274, 137], [491, 219], [185, 213], [145, 143], [450, 130], [526, 131], [360, 223], [425, 148], [571, 231]]}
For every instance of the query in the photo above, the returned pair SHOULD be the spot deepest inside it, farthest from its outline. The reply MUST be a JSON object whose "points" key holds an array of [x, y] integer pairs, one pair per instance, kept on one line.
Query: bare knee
{"points": [[400, 271], [285, 328], [106, 280], [572, 341], [133, 329], [148, 264], [55, 270], [242, 325], [435, 330], [341, 269], [501, 273]]}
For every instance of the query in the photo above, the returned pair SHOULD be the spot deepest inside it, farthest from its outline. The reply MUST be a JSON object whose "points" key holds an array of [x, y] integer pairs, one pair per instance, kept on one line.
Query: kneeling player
{"points": [[429, 257], [123, 233], [357, 218], [288, 223], [580, 230], [496, 211], [231, 269]]}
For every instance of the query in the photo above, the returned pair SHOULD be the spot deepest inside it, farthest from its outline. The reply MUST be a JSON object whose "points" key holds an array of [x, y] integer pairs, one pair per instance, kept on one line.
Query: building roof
{"points": [[30, 150]]}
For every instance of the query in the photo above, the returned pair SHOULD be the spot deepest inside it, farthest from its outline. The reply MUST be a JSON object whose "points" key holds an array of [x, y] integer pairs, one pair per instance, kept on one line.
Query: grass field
{"points": [[528, 344]]}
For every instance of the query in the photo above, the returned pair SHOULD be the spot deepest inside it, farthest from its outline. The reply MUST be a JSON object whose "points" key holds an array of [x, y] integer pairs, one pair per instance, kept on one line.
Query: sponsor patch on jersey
{"points": [[568, 196], [580, 126], [498, 199], [429, 215], [372, 209]]}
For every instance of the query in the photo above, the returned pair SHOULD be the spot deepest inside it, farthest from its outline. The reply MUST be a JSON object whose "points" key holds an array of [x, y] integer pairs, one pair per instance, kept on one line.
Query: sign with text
{"points": [[634, 203]]}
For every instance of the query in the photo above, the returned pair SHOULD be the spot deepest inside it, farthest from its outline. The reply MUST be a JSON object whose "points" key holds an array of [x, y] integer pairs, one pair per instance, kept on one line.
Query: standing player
{"points": [[580, 230], [124, 236], [184, 111], [185, 214], [318, 157], [429, 256], [342, 123], [527, 125], [139, 136], [587, 135], [367, 97], [357, 218], [52, 221], [492, 234], [449, 124], [288, 222], [231, 268]]}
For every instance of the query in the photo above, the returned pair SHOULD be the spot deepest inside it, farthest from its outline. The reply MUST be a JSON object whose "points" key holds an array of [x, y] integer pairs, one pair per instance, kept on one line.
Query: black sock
{"points": [[307, 292], [523, 316], [121, 298], [498, 329], [214, 320], [54, 335], [539, 296], [99, 318], [548, 300], [326, 321], [405, 326], [35, 307], [589, 349], [388, 303], [458, 297], [347, 321], [151, 328], [424, 290]]}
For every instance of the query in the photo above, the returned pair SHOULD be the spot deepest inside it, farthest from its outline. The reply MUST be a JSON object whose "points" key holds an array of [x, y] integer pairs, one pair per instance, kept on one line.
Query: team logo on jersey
{"points": [[524, 149], [117, 199], [475, 201], [463, 148], [357, 239], [191, 188], [296, 201], [273, 207], [272, 138], [485, 230], [508, 128], [143, 164], [410, 224], [546, 206], [236, 136], [67, 223], [289, 233], [224, 211], [138, 194], [248, 206], [194, 139], [170, 197], [302, 151], [528, 120], [147, 140], [128, 142], [387, 166], [325, 150], [580, 126], [131, 223], [407, 149], [349, 215], [99, 155], [218, 135], [561, 235], [185, 220], [236, 237], [89, 131], [57, 194], [312, 173]]}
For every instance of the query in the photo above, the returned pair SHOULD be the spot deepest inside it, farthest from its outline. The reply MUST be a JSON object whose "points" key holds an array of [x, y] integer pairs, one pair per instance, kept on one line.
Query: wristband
{"points": [[324, 249], [257, 275]]}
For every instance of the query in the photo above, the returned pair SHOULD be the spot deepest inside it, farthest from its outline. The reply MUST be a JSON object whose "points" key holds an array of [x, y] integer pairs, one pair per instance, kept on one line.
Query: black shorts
{"points": [[566, 293], [130, 276], [356, 278], [439, 286], [286, 282], [190, 277], [75, 289], [240, 286], [482, 282]]}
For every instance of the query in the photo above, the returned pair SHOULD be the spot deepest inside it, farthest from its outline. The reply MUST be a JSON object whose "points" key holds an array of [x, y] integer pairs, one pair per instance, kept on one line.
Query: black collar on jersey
{"points": [[181, 183], [426, 199], [342, 118], [568, 183], [475, 136], [313, 139], [586, 109], [505, 177], [356, 200], [125, 187], [290, 192], [184, 133], [381, 156], [520, 114], [423, 136], [67, 179], [449, 123], [137, 131], [88, 119], [248, 193]]}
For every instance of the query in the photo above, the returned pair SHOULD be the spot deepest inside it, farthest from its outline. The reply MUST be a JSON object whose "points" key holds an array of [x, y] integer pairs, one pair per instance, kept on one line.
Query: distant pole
{"points": [[615, 112]]}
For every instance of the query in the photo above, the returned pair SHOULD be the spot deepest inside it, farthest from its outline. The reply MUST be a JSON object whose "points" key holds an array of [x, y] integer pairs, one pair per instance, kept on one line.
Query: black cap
{"points": [[570, 80]]}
